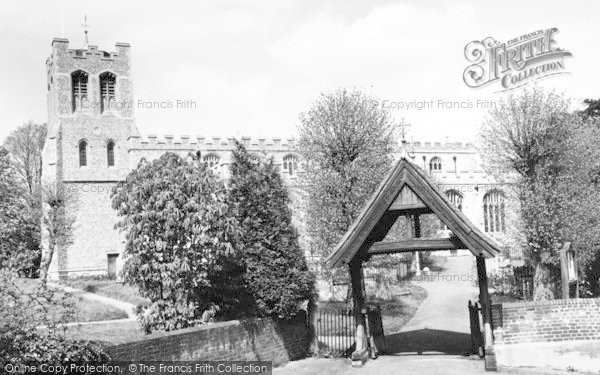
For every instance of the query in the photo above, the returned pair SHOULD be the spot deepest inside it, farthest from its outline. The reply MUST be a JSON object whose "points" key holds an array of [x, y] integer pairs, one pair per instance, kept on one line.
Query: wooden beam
{"points": [[358, 299], [416, 244], [486, 312], [417, 227], [356, 277], [411, 209]]}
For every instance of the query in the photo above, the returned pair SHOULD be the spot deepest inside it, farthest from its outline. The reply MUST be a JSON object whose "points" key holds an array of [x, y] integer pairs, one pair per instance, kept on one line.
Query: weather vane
{"points": [[85, 29]]}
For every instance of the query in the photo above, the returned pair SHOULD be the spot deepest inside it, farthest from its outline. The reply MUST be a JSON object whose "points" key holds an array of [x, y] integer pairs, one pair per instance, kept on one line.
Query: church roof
{"points": [[408, 189]]}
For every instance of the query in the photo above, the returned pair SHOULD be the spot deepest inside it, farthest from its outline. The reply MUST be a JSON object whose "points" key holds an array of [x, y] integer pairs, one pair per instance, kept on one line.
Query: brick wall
{"points": [[545, 321], [253, 339]]}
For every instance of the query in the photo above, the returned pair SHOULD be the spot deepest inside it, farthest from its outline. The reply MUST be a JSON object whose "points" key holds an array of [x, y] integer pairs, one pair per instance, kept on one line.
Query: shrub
{"points": [[504, 282], [180, 230], [275, 273], [22, 340]]}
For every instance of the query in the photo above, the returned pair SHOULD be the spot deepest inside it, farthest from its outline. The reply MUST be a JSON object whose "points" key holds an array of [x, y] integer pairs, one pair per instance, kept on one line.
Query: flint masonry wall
{"points": [[546, 321], [252, 339]]}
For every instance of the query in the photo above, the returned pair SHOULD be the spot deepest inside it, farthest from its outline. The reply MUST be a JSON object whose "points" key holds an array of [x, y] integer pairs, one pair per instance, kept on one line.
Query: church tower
{"points": [[90, 126]]}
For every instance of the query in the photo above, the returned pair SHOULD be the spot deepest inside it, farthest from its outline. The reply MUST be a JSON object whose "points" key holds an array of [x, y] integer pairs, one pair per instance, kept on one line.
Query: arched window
{"points": [[107, 90], [435, 164], [455, 197], [493, 211], [82, 153], [290, 164], [110, 153], [79, 81], [211, 160]]}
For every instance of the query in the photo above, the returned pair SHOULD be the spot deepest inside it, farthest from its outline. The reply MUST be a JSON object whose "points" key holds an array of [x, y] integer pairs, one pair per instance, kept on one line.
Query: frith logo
{"points": [[514, 63]]}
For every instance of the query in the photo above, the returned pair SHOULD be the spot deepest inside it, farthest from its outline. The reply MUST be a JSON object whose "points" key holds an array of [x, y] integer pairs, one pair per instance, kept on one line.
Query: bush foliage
{"points": [[32, 327], [180, 229]]}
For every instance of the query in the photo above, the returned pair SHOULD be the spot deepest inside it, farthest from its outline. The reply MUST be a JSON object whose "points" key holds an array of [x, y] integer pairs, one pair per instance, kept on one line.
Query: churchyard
{"points": [[349, 248]]}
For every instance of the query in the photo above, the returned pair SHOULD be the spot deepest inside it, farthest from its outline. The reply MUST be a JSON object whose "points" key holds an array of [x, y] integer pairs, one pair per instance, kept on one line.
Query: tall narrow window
{"points": [[290, 164], [211, 160], [82, 153], [493, 211], [107, 90], [110, 153], [435, 164], [79, 82], [456, 198]]}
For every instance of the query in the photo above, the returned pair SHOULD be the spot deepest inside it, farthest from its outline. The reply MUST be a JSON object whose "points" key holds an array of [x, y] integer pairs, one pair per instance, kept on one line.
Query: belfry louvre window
{"points": [[494, 211], [79, 82], [290, 164], [107, 90], [110, 153], [82, 153]]}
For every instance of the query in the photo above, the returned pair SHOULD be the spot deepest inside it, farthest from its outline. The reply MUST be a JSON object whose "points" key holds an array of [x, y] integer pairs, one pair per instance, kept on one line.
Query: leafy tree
{"points": [[19, 231], [275, 272], [535, 142], [25, 146], [180, 231], [347, 143], [593, 107]]}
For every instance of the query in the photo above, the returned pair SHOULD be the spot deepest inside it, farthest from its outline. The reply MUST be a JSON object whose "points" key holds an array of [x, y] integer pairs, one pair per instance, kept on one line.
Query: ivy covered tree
{"points": [[347, 143], [180, 233], [276, 273], [59, 206]]}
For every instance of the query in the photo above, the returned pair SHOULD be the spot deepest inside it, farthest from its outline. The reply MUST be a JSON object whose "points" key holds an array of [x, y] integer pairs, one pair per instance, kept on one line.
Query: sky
{"points": [[252, 67]]}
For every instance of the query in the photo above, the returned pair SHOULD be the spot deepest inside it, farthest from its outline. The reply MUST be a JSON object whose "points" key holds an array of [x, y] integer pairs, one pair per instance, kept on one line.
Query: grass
{"points": [[109, 288], [84, 310], [91, 311], [108, 334]]}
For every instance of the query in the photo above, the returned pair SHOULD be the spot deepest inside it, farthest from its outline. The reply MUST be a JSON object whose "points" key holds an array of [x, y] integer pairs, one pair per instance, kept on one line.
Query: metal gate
{"points": [[476, 334], [335, 331]]}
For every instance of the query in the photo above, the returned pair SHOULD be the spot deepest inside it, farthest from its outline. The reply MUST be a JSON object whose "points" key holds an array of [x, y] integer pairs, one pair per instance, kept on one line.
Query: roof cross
{"points": [[403, 128]]}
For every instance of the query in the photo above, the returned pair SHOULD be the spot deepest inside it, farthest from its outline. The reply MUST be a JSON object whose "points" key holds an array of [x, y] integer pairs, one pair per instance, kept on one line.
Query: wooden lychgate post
{"points": [[486, 312]]}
